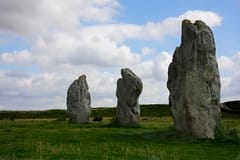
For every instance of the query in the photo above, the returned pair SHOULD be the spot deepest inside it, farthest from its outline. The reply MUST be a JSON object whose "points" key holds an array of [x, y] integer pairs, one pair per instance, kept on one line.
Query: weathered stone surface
{"points": [[129, 88], [194, 83], [78, 101]]}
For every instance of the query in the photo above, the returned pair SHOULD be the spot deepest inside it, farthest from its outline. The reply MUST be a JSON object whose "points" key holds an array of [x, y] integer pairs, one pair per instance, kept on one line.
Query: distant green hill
{"points": [[232, 106], [147, 110], [153, 110], [32, 114]]}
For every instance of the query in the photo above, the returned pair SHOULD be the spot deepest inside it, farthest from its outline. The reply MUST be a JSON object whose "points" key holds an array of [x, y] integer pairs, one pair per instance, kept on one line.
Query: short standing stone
{"points": [[194, 82], [78, 101], [129, 88]]}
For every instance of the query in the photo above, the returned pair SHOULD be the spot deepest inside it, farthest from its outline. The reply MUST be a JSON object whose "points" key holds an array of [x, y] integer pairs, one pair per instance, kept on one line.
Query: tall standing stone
{"points": [[78, 101], [194, 82], [129, 88]]}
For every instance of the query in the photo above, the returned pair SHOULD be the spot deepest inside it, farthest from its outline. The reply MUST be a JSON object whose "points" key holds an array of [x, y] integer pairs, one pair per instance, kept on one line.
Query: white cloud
{"points": [[230, 77], [31, 91], [151, 30], [2, 107], [49, 89], [70, 38], [147, 51], [154, 92], [100, 45], [144, 69], [225, 63], [210, 18], [160, 66], [154, 76], [78, 49], [31, 17], [23, 57]]}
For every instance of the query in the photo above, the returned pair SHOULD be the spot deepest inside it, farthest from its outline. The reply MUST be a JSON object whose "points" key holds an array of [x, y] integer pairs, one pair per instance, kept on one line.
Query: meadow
{"points": [[55, 138]]}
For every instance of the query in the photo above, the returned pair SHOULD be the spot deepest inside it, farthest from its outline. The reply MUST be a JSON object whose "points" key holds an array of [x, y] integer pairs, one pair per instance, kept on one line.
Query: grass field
{"points": [[152, 110], [155, 139]]}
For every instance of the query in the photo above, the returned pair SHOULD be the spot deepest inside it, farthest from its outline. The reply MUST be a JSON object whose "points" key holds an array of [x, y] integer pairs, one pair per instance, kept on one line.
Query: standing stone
{"points": [[129, 88], [78, 101], [194, 83]]}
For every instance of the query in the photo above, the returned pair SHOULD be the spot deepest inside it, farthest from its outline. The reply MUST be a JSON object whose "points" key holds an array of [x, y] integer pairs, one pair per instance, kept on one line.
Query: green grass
{"points": [[47, 135], [147, 110], [32, 114], [152, 110], [155, 139]]}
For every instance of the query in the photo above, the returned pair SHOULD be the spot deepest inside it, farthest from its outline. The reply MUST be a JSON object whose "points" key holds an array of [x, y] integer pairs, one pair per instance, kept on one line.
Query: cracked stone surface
{"points": [[79, 101], [194, 82], [129, 88]]}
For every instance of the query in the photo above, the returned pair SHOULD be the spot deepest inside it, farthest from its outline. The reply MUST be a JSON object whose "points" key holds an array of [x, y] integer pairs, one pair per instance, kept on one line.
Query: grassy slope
{"points": [[154, 110], [155, 139]]}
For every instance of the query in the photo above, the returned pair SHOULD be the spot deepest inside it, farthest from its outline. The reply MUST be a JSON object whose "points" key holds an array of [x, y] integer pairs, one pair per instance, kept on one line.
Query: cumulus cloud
{"points": [[23, 57], [151, 30], [154, 75], [210, 18], [48, 89], [230, 76], [70, 38], [30, 91], [160, 66], [78, 49], [100, 44], [30, 17], [19, 89], [147, 51], [2, 107]]}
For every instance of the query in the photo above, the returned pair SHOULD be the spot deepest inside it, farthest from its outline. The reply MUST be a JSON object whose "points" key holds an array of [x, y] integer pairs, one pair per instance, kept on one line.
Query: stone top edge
{"points": [[198, 23], [82, 77]]}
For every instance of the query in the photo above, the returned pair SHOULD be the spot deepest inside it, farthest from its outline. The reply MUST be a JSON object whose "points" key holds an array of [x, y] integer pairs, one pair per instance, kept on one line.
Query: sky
{"points": [[46, 45]]}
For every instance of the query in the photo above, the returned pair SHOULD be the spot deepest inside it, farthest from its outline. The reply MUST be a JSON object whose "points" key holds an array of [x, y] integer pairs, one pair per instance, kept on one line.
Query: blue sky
{"points": [[45, 45], [140, 12]]}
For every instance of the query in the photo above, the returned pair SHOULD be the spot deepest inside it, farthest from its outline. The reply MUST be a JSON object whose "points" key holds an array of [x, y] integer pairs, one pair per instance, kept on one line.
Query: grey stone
{"points": [[194, 82], [78, 101], [129, 88]]}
